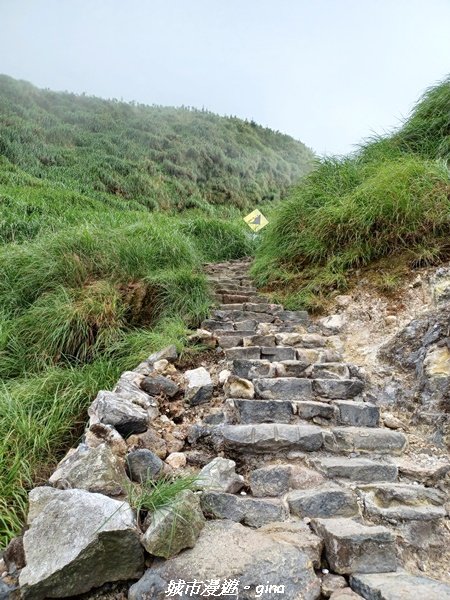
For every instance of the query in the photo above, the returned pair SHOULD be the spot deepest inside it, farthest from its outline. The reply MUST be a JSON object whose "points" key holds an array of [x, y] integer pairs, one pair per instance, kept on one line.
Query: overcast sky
{"points": [[328, 72]]}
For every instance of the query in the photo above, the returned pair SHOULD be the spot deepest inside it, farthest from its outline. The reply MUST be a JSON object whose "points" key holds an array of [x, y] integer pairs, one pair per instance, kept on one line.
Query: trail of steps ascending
{"points": [[307, 406]]}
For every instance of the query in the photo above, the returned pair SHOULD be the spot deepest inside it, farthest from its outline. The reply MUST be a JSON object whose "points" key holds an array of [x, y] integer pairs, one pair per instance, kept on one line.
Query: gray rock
{"points": [[283, 388], [352, 547], [332, 583], [238, 387], [272, 438], [326, 501], [337, 388], [399, 586], [292, 368], [158, 384], [228, 550], [330, 371], [174, 528], [263, 411], [278, 353], [313, 340], [129, 387], [399, 501], [230, 341], [260, 340], [249, 353], [272, 480], [143, 465], [247, 324], [261, 512], [8, 592], [149, 586], [169, 353], [309, 410], [220, 475], [126, 416], [253, 369], [355, 439], [199, 386], [359, 414], [92, 469], [76, 541], [356, 469], [219, 505], [214, 325], [250, 511], [345, 594]]}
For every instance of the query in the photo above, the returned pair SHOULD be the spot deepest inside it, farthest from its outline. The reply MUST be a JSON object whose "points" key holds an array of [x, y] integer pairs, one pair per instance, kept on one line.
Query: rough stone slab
{"points": [[400, 501], [337, 388], [199, 386], [230, 341], [259, 340], [238, 387], [361, 439], [327, 501], [124, 415], [158, 384], [250, 353], [263, 411], [358, 414], [298, 316], [174, 528], [253, 369], [272, 480], [352, 547], [76, 541], [253, 512], [234, 305], [242, 315], [278, 353], [330, 371], [283, 388], [272, 438], [246, 324], [228, 550], [214, 325], [356, 469], [310, 409], [292, 368], [399, 586]]}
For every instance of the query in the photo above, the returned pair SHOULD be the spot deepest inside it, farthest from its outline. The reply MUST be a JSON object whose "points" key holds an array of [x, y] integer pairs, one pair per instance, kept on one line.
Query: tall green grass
{"points": [[389, 198]]}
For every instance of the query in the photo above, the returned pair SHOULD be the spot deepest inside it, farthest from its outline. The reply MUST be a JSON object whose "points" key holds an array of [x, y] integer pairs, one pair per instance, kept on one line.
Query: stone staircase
{"points": [[297, 421]]}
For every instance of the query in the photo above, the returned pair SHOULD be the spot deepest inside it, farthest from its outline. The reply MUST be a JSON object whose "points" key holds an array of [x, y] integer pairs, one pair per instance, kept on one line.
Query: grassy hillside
{"points": [[153, 156], [107, 212], [388, 201]]}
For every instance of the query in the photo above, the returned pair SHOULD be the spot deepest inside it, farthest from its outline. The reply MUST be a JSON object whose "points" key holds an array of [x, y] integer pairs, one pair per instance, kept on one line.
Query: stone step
{"points": [[283, 388], [334, 370], [399, 585], [362, 470], [311, 409], [267, 438], [261, 411], [359, 414], [400, 501], [254, 512], [216, 325], [278, 353], [364, 440], [260, 340], [253, 369], [292, 368], [353, 547], [251, 352], [337, 389], [242, 315], [329, 500]]}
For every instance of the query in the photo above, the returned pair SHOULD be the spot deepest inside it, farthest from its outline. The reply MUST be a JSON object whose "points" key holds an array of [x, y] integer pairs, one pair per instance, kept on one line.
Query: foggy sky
{"points": [[328, 72]]}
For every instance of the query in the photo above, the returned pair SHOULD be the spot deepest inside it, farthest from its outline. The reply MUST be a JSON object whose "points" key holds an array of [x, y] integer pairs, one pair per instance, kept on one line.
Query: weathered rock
{"points": [[427, 470], [8, 592], [143, 465], [345, 594], [289, 338], [231, 551], [237, 387], [250, 511], [272, 480], [230, 341], [337, 388], [14, 555], [76, 541], [362, 439], [199, 386], [249, 353], [259, 340], [333, 323], [391, 421], [169, 353], [122, 414], [219, 505], [272, 438], [252, 369], [129, 387], [356, 469], [158, 384], [92, 469], [330, 371], [352, 547], [399, 586], [261, 512], [310, 409], [263, 411], [150, 440], [172, 529], [303, 478], [278, 353], [332, 583], [327, 501], [313, 340], [401, 501], [291, 368], [100, 434], [176, 460], [283, 388], [298, 316], [220, 475], [359, 414], [148, 587]]}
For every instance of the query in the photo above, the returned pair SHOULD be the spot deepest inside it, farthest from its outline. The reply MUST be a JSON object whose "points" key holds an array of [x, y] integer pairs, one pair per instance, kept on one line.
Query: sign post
{"points": [[256, 220]]}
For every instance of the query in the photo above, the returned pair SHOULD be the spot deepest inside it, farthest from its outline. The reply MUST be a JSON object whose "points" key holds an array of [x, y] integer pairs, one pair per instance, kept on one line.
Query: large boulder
{"points": [[77, 541], [173, 528], [228, 551], [92, 469]]}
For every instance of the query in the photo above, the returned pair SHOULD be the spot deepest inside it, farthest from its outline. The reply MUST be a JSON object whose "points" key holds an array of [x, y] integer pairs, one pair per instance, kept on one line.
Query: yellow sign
{"points": [[256, 220]]}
